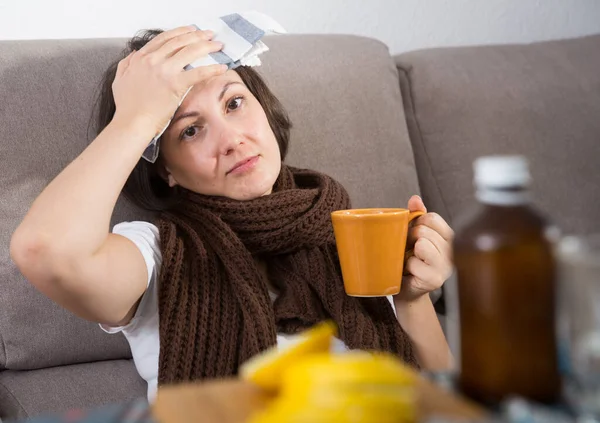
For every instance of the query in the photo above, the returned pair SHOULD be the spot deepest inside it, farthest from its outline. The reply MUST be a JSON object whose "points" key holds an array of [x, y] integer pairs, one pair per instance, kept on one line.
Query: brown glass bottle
{"points": [[506, 291]]}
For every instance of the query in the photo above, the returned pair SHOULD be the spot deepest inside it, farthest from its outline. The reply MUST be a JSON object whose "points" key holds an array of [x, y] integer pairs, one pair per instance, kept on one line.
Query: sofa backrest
{"points": [[343, 98], [541, 100]]}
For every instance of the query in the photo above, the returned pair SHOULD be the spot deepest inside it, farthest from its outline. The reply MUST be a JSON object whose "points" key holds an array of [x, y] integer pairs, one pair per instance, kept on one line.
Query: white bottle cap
{"points": [[501, 172]]}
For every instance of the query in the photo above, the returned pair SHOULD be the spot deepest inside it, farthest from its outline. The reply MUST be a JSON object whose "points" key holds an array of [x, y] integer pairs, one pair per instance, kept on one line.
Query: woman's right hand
{"points": [[150, 82]]}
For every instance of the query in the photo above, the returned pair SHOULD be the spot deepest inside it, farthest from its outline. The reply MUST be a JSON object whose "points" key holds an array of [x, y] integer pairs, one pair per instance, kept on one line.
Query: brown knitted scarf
{"points": [[214, 305]]}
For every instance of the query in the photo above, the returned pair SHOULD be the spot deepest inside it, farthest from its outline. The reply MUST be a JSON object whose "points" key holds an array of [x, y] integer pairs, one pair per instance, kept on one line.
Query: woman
{"points": [[242, 255]]}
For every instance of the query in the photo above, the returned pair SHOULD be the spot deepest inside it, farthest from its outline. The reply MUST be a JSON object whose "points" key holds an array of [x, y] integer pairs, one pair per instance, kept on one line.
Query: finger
{"points": [[199, 74], [192, 52], [440, 266], [425, 276], [155, 43], [415, 203], [124, 64], [437, 223], [423, 231], [175, 44], [426, 251]]}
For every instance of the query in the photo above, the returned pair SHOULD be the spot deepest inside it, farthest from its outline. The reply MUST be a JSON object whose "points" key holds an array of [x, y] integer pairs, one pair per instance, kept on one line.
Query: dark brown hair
{"points": [[145, 186]]}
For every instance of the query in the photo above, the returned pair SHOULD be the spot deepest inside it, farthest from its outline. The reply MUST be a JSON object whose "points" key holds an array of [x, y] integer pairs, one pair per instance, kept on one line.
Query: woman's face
{"points": [[220, 142]]}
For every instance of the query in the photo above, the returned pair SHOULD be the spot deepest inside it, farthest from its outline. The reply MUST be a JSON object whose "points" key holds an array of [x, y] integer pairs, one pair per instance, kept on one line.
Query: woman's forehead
{"points": [[214, 85]]}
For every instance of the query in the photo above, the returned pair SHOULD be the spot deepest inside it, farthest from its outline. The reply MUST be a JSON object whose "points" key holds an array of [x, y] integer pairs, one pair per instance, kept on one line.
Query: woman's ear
{"points": [[169, 178], [171, 181], [166, 175]]}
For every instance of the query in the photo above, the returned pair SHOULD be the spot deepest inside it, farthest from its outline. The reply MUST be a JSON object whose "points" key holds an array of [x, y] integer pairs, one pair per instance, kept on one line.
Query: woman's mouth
{"points": [[244, 166]]}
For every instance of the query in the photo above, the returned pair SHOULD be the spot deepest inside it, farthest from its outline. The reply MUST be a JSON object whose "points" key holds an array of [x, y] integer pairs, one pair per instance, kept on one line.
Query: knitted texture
{"points": [[214, 305]]}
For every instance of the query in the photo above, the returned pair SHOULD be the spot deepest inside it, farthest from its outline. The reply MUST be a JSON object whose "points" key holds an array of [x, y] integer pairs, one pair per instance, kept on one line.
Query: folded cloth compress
{"points": [[240, 34]]}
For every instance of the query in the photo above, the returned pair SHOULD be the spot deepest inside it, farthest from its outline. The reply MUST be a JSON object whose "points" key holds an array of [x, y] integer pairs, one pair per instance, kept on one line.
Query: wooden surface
{"points": [[436, 401], [233, 401]]}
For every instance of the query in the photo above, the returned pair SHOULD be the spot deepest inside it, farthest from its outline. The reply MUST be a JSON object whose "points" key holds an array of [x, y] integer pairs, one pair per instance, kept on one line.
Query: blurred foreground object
{"points": [[579, 321], [506, 290]]}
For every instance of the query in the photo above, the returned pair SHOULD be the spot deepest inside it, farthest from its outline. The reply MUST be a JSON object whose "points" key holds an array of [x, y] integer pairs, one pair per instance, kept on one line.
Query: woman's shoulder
{"points": [[146, 237]]}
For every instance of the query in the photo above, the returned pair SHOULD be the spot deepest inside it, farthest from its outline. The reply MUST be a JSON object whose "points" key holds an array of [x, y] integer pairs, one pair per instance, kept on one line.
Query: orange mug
{"points": [[371, 245]]}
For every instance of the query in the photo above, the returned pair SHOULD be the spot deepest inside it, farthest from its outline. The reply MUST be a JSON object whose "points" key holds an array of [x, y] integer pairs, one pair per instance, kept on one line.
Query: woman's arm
{"points": [[63, 245], [420, 322], [426, 270]]}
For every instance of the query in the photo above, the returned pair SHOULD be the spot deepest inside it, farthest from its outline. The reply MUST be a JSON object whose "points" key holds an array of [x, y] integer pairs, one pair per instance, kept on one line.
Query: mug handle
{"points": [[411, 216]]}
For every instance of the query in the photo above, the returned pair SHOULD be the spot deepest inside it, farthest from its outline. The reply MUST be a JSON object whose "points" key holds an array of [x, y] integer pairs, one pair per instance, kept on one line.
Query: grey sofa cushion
{"points": [[46, 95], [541, 100], [25, 394], [36, 333], [341, 93]]}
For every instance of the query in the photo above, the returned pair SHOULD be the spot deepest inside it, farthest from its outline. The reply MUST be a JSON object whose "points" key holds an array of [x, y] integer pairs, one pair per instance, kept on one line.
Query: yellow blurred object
{"points": [[345, 371], [356, 387], [266, 369], [305, 383]]}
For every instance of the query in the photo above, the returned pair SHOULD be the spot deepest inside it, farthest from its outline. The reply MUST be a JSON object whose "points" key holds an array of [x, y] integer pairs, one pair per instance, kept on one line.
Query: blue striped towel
{"points": [[241, 35]]}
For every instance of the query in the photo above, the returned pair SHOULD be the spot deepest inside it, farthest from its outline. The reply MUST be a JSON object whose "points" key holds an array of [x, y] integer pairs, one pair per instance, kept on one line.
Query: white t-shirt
{"points": [[142, 331]]}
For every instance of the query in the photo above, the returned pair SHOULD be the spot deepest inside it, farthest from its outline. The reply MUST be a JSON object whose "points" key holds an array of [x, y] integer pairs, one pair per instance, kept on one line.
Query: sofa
{"points": [[386, 126]]}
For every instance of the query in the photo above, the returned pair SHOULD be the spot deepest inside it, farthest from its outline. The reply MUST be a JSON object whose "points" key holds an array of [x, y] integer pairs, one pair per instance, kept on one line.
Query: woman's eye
{"points": [[189, 132], [235, 103]]}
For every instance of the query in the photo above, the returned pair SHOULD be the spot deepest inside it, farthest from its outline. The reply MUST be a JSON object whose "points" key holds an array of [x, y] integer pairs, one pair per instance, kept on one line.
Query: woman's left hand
{"points": [[431, 239]]}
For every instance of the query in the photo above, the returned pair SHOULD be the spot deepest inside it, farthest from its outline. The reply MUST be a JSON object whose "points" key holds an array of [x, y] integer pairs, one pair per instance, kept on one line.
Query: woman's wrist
{"points": [[420, 322], [413, 315], [140, 127], [414, 305]]}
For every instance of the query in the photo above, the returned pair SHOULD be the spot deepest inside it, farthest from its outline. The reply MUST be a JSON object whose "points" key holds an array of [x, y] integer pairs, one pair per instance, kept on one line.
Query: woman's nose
{"points": [[228, 140]]}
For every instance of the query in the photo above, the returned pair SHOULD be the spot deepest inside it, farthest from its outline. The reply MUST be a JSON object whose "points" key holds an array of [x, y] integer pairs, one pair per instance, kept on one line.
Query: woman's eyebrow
{"points": [[226, 87], [192, 113], [184, 116]]}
